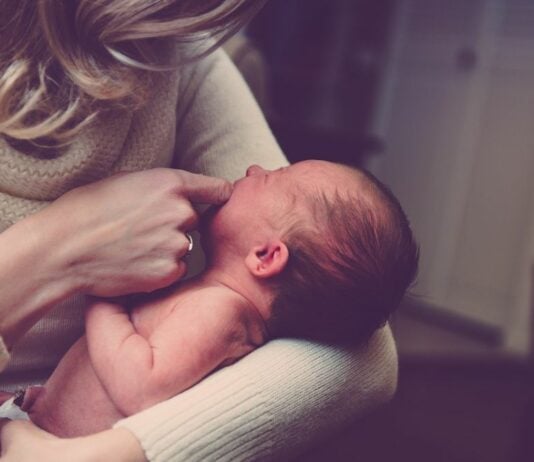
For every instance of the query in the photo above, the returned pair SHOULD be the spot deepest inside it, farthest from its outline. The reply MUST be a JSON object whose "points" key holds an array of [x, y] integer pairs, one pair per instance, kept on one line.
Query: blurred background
{"points": [[436, 97]]}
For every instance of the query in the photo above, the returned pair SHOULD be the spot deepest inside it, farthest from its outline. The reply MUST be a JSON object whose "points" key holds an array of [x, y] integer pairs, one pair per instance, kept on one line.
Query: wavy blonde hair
{"points": [[61, 61]]}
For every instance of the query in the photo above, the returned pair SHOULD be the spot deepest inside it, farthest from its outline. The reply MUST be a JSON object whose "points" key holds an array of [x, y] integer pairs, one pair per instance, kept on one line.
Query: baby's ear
{"points": [[268, 260]]}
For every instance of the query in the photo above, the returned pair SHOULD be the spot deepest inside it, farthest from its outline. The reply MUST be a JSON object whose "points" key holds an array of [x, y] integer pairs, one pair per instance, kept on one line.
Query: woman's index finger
{"points": [[203, 189]]}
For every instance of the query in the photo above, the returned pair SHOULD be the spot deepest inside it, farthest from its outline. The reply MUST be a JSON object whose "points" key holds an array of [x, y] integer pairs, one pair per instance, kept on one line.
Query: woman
{"points": [[89, 89]]}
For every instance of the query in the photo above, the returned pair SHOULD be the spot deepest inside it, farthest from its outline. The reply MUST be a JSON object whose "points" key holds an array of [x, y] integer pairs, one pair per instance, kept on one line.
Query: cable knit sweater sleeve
{"points": [[282, 397]]}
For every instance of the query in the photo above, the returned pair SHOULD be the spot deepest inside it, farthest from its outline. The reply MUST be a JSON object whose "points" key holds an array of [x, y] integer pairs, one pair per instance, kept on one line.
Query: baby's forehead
{"points": [[327, 177]]}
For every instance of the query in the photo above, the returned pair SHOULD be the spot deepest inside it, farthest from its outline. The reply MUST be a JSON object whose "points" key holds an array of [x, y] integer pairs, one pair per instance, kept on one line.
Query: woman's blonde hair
{"points": [[61, 61]]}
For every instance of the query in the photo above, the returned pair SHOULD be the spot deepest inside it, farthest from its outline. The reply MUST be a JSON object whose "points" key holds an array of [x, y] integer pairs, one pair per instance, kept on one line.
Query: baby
{"points": [[315, 250]]}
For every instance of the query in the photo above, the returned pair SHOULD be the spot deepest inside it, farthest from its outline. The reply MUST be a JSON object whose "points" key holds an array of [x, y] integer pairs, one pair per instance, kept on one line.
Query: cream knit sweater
{"points": [[277, 400]]}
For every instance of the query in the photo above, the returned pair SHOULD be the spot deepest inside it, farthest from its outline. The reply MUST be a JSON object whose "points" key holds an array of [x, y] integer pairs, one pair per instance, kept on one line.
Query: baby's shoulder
{"points": [[211, 306], [218, 300], [230, 313]]}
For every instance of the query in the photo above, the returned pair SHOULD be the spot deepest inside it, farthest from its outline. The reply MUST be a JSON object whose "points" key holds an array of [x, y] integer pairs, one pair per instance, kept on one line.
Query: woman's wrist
{"points": [[34, 275]]}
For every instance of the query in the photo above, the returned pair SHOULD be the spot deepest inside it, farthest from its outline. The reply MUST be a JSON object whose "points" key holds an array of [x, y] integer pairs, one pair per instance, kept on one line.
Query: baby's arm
{"points": [[138, 372]]}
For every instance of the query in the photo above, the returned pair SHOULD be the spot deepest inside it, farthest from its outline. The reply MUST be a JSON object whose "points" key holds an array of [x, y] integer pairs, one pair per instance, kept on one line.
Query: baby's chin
{"points": [[208, 224]]}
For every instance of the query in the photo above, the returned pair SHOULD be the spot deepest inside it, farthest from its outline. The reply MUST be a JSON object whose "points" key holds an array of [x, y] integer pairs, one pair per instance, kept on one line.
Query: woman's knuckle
{"points": [[163, 178], [186, 212], [182, 244]]}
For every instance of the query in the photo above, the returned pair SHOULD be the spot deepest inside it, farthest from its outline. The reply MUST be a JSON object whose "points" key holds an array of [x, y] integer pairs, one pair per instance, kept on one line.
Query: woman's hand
{"points": [[126, 233], [22, 441], [113, 237]]}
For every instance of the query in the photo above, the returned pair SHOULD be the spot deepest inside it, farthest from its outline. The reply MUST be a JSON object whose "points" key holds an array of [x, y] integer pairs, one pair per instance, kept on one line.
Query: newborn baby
{"points": [[315, 250]]}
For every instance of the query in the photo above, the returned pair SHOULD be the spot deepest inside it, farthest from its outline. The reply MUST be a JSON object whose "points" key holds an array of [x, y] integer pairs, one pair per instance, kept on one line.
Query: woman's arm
{"points": [[33, 277], [271, 405], [116, 236]]}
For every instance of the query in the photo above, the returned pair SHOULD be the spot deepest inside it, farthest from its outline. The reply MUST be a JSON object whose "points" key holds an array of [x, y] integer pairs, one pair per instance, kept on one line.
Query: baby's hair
{"points": [[63, 60], [347, 270]]}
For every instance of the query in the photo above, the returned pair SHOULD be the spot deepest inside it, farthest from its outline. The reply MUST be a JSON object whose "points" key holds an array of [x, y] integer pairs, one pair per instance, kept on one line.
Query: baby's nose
{"points": [[255, 170]]}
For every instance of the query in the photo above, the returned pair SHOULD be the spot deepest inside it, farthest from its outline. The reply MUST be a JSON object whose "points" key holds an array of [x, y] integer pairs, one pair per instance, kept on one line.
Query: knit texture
{"points": [[201, 118], [271, 404]]}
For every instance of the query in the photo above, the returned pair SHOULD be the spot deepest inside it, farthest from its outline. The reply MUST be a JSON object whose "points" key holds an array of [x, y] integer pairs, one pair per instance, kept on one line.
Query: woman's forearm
{"points": [[34, 276]]}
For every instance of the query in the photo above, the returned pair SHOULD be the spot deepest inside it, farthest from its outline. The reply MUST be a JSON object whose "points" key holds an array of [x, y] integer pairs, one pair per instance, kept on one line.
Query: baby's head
{"points": [[331, 242]]}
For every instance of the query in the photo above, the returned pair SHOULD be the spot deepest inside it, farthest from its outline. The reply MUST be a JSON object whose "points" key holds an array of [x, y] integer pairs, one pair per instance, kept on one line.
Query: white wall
{"points": [[460, 153]]}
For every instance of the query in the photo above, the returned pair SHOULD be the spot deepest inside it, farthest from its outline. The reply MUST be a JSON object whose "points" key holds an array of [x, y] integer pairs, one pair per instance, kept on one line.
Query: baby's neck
{"points": [[242, 285]]}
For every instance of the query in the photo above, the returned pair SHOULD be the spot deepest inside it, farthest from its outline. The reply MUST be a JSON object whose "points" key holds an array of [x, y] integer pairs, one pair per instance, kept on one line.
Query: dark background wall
{"points": [[325, 58]]}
